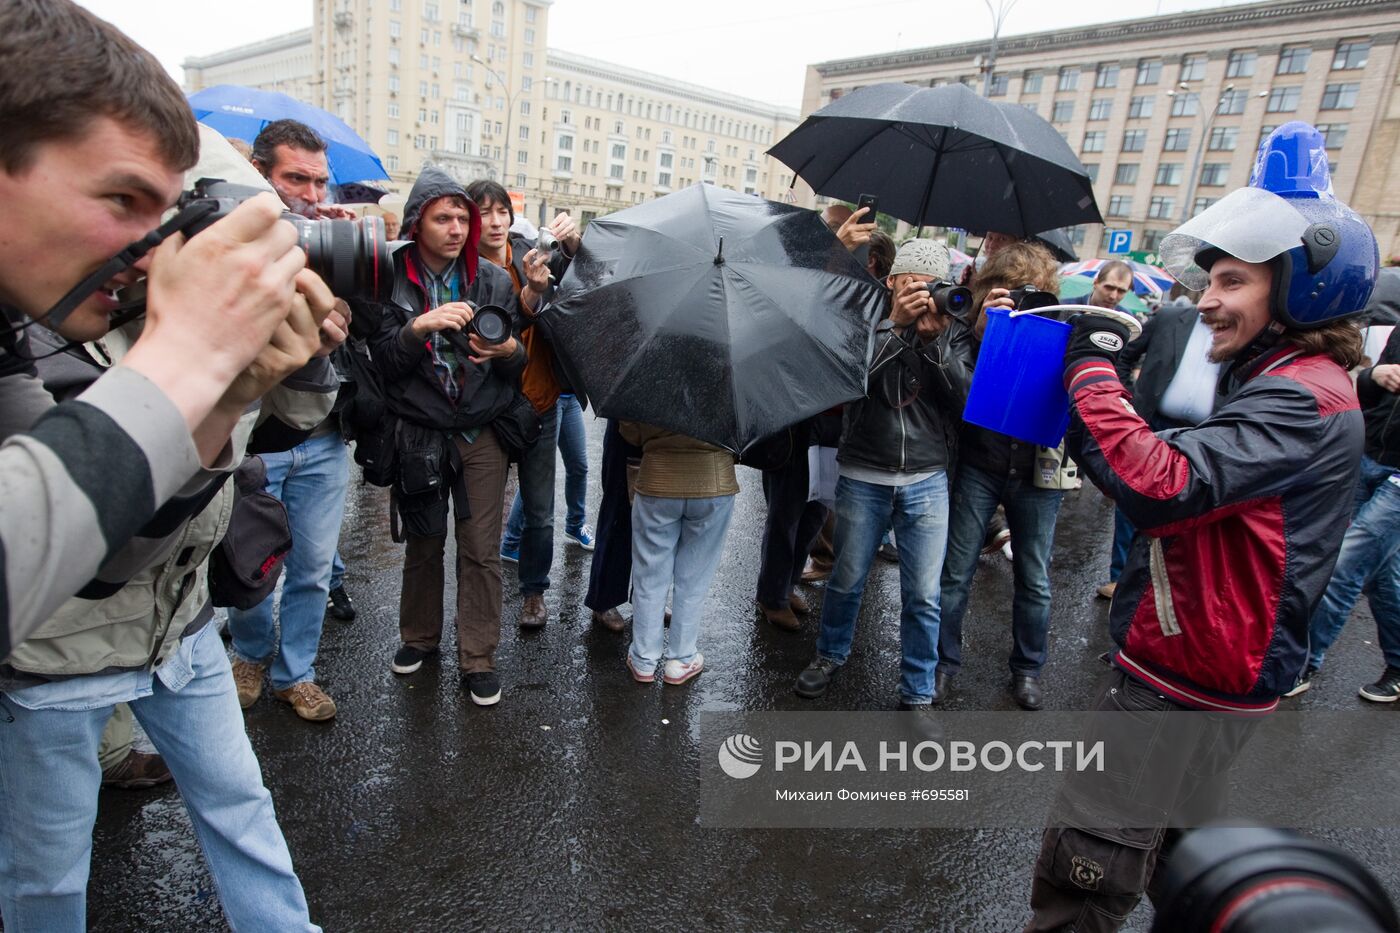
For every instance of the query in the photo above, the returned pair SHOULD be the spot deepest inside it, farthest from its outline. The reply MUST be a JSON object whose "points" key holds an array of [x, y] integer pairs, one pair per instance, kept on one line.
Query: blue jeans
{"points": [[536, 490], [1030, 514], [337, 571], [1123, 532], [675, 542], [49, 778], [310, 479], [919, 515], [573, 447], [1369, 562]]}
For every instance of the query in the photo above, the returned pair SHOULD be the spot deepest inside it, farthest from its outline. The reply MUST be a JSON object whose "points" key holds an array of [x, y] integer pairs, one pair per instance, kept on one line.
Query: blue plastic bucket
{"points": [[1018, 385]]}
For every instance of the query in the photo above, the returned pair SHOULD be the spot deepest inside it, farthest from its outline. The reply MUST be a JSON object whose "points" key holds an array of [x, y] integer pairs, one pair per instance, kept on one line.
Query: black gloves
{"points": [[1095, 337]]}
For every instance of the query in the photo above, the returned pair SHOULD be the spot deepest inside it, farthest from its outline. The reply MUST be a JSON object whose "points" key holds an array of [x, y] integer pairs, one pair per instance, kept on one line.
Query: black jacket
{"points": [[1380, 408], [1160, 348], [915, 395], [411, 385]]}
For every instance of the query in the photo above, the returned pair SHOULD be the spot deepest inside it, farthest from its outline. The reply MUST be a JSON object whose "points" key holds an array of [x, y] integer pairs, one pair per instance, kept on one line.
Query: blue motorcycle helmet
{"points": [[1324, 256]]}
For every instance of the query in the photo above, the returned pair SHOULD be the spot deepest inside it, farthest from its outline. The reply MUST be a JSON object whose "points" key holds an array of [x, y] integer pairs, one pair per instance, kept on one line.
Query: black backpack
{"points": [[364, 413]]}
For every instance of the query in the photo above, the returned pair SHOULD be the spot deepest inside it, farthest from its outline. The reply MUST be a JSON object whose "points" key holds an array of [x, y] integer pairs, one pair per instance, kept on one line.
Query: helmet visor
{"points": [[1251, 224]]}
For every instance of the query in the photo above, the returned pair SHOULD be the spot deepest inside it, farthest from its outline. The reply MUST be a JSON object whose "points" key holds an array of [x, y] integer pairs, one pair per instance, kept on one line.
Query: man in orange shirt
{"points": [[533, 272]]}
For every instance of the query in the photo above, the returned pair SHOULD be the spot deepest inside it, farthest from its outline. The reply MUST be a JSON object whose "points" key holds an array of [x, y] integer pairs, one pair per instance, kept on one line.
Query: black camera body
{"points": [[352, 256], [952, 300], [1030, 298]]}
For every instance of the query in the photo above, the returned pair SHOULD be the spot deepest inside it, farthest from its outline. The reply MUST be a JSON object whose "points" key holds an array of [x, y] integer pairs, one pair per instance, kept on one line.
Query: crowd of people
{"points": [[1232, 462]]}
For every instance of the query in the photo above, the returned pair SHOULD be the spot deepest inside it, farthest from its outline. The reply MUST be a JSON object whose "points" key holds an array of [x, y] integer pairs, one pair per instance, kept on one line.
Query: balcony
{"points": [[462, 31], [343, 19]]}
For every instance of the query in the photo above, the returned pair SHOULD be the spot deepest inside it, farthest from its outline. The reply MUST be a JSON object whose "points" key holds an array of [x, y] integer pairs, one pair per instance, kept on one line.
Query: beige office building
{"points": [[1167, 112], [470, 86]]}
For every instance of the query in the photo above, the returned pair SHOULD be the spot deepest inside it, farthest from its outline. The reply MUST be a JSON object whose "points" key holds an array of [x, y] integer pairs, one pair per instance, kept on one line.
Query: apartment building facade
{"points": [[1167, 112]]}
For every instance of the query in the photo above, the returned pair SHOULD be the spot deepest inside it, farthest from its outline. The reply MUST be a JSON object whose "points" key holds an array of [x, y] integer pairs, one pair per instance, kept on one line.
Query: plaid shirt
{"points": [[447, 361]]}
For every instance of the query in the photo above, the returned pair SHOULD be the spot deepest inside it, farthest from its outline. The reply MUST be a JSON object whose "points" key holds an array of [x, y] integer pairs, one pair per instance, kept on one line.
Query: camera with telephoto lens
{"points": [[952, 300], [1030, 298], [491, 323], [352, 256]]}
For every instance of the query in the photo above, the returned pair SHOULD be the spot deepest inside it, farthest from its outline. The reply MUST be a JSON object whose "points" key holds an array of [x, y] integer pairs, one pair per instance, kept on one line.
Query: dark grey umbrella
{"points": [[1058, 242], [942, 156], [714, 314]]}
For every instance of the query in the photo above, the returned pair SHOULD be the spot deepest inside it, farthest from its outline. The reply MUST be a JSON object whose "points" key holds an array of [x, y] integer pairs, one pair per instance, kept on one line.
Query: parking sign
{"points": [[1119, 241]]}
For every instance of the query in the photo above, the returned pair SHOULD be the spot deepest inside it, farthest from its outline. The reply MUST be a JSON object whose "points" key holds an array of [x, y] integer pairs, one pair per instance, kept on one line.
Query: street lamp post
{"points": [[1200, 146], [510, 112], [999, 14]]}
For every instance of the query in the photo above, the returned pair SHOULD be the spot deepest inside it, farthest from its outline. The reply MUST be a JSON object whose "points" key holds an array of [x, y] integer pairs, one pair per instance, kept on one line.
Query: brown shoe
{"points": [[611, 620], [781, 616], [814, 572], [309, 701], [248, 679], [1107, 590], [137, 771], [533, 614], [798, 603]]}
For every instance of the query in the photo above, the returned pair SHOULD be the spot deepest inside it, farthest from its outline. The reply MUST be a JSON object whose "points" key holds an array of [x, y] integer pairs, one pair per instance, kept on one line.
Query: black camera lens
{"points": [[950, 299], [352, 256], [1030, 298], [491, 323]]}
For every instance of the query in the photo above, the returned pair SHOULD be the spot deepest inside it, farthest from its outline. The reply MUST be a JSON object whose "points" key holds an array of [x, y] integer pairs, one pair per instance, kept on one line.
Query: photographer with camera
{"points": [[895, 453], [214, 304], [310, 478], [531, 265], [445, 347], [996, 469]]}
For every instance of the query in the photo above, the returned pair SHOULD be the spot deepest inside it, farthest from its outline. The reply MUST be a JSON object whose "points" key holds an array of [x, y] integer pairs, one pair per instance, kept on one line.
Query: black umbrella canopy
{"points": [[942, 156], [715, 314]]}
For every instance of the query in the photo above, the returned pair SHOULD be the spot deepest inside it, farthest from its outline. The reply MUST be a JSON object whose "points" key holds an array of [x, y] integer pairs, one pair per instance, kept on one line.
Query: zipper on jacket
{"points": [[1162, 589]]}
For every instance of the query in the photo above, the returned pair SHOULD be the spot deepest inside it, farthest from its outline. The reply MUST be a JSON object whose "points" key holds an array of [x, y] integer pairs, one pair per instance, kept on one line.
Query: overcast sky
{"points": [[758, 50]]}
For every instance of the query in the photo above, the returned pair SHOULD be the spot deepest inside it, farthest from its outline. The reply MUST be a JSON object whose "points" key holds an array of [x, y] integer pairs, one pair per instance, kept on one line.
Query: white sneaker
{"points": [[1006, 550], [678, 673]]}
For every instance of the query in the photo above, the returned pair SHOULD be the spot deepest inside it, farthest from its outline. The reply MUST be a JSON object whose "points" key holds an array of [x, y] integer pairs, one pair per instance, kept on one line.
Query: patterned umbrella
{"points": [[1147, 280]]}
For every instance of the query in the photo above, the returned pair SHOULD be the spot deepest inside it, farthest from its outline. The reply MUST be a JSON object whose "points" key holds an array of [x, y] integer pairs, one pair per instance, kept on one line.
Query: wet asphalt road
{"points": [[571, 804]]}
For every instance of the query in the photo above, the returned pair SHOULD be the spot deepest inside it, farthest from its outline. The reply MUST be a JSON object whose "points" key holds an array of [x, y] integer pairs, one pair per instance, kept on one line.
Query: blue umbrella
{"points": [[242, 112]]}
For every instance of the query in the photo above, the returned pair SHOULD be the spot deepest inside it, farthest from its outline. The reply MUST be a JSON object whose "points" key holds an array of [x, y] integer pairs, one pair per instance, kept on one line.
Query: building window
{"points": [[566, 142], [1149, 70], [392, 163], [1119, 205], [1193, 67], [1177, 140], [1185, 104], [1093, 142], [522, 157], [1126, 174], [529, 37], [663, 179], [525, 133], [393, 84], [1223, 138], [1030, 84], [1069, 79], [1293, 60], [1140, 106], [1134, 140], [1241, 64], [1351, 54], [1334, 133], [1283, 99], [1151, 239], [1233, 102], [1062, 112], [1160, 207], [1214, 173], [393, 138], [619, 151], [564, 164], [1169, 173], [393, 111], [1092, 170], [1340, 96], [394, 55], [1201, 204], [615, 171], [1100, 108], [1000, 82], [394, 29], [1106, 75]]}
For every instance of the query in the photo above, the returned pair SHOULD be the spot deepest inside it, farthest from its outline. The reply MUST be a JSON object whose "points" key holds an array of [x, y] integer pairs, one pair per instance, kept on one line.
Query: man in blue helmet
{"points": [[1240, 519]]}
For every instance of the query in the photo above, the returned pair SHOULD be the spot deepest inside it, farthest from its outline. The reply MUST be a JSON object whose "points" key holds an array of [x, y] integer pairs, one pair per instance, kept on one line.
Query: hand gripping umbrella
{"points": [[242, 112], [942, 156], [714, 314]]}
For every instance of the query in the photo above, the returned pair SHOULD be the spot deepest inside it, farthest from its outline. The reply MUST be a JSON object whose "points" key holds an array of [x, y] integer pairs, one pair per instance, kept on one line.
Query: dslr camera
{"points": [[1030, 298], [952, 300]]}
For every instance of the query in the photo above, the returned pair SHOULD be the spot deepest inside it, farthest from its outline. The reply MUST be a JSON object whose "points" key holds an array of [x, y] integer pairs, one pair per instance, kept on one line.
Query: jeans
{"points": [[675, 542], [919, 514], [310, 479], [1369, 562], [1123, 532], [536, 474], [1030, 514], [337, 571], [573, 447], [49, 779]]}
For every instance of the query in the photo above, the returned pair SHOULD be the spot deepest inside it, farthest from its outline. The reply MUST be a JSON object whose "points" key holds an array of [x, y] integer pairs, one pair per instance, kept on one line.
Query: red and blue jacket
{"points": [[1240, 520]]}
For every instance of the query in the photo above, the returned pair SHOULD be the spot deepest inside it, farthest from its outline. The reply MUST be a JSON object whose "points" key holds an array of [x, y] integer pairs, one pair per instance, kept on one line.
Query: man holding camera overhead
{"points": [[895, 453], [451, 381]]}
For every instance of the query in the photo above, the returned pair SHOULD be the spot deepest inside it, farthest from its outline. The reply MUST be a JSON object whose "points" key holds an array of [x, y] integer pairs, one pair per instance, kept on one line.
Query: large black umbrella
{"points": [[1058, 242], [942, 156], [714, 314]]}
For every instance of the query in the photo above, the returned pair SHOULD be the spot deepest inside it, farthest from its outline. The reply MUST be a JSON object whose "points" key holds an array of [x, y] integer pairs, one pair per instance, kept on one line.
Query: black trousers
{"points": [[610, 578], [789, 531]]}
